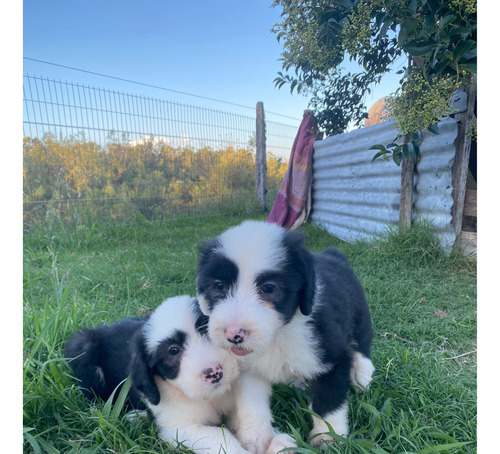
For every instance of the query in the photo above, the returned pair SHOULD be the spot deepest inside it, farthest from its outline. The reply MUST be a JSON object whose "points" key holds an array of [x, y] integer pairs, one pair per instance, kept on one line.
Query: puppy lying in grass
{"points": [[187, 382], [176, 372]]}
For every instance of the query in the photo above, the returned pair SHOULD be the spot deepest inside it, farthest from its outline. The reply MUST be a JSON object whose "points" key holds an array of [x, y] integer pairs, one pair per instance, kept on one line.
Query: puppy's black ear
{"points": [[206, 250], [303, 262], [201, 323], [141, 372]]}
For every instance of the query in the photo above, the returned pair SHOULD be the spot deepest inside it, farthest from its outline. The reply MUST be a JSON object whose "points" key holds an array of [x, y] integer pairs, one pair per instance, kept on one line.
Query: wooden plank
{"points": [[470, 205], [468, 244], [406, 196], [460, 167]]}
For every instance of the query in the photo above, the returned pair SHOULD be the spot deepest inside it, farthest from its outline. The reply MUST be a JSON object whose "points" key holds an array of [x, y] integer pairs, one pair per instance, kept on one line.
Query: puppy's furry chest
{"points": [[294, 355], [175, 409]]}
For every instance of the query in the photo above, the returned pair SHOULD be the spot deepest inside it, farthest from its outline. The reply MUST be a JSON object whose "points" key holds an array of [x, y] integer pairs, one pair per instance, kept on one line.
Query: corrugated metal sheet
{"points": [[433, 185], [355, 198]]}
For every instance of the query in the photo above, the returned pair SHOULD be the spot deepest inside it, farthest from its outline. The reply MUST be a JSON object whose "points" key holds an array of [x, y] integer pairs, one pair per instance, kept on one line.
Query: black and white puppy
{"points": [[286, 314], [100, 359], [182, 377]]}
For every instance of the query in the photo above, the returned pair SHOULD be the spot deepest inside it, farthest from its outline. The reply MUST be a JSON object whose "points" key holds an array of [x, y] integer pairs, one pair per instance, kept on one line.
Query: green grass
{"points": [[423, 303]]}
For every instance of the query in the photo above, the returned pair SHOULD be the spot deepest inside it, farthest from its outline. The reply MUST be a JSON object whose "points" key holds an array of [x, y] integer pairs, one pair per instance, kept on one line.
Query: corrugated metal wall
{"points": [[433, 199], [355, 198]]}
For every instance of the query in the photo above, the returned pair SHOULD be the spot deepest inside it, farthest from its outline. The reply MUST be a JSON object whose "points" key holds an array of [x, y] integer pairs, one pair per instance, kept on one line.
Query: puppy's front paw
{"points": [[280, 442], [255, 441], [135, 415], [336, 419], [361, 371], [319, 440]]}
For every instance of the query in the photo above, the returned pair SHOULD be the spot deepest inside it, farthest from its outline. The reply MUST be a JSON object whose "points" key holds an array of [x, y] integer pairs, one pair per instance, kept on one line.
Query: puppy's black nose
{"points": [[236, 339]]}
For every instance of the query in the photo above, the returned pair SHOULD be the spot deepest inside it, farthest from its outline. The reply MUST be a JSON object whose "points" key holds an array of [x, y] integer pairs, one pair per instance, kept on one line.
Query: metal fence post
{"points": [[260, 158]]}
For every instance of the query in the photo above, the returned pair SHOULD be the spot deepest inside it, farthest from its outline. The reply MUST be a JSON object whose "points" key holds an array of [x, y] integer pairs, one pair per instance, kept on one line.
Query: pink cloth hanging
{"points": [[292, 203]]}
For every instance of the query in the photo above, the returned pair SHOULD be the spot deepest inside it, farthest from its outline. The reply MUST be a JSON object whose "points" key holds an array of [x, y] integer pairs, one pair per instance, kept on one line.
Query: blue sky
{"points": [[222, 49]]}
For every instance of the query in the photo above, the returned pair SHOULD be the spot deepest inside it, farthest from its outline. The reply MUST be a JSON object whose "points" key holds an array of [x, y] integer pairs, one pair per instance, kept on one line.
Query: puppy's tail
{"points": [[83, 352]]}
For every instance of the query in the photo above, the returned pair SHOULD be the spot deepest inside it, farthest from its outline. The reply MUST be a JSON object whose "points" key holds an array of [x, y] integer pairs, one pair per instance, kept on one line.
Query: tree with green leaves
{"points": [[438, 38]]}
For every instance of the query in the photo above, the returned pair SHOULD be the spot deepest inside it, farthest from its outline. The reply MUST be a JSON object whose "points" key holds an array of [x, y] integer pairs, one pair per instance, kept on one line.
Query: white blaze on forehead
{"points": [[174, 314], [254, 246]]}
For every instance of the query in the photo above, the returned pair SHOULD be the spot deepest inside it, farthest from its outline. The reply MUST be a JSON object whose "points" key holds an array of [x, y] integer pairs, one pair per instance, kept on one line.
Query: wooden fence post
{"points": [[460, 166], [260, 158], [406, 197]]}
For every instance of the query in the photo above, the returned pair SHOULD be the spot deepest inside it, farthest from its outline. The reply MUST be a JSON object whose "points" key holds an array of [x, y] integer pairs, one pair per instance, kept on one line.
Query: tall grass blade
{"points": [[120, 400]]}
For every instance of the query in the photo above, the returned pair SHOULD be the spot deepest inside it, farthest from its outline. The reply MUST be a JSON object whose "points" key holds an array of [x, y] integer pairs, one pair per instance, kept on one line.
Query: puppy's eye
{"points": [[173, 351], [219, 286], [268, 288]]}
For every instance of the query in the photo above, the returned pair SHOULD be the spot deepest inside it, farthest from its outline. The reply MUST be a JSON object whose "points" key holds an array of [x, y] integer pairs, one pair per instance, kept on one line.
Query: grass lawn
{"points": [[422, 398]]}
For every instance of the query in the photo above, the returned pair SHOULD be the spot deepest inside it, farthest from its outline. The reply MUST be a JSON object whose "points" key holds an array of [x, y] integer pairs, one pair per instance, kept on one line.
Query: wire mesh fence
{"points": [[95, 152]]}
